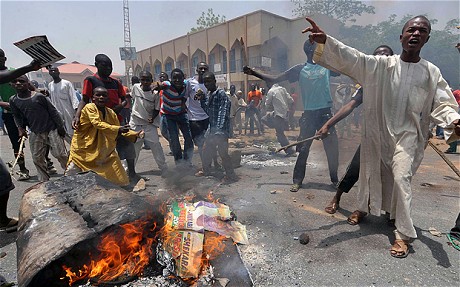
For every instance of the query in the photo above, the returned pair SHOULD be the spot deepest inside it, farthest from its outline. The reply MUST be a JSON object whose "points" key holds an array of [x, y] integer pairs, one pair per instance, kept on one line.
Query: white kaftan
{"points": [[400, 100], [64, 98]]}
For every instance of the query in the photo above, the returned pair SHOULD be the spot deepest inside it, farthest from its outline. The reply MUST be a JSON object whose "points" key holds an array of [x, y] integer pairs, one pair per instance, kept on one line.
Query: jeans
{"points": [[309, 123], [174, 124], [280, 125], [198, 129], [213, 144]]}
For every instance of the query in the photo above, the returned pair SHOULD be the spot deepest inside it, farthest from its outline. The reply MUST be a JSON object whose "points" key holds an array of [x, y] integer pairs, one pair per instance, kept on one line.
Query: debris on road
{"points": [[140, 185], [434, 232], [304, 238]]}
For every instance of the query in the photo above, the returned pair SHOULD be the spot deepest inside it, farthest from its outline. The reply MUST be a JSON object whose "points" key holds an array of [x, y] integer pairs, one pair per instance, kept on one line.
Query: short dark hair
{"points": [[99, 88], [177, 70], [386, 47], [101, 58], [209, 74], [145, 73], [165, 74], [309, 47], [419, 16]]}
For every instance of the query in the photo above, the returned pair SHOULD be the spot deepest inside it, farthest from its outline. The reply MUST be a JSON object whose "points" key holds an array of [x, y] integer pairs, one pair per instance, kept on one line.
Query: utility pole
{"points": [[127, 53]]}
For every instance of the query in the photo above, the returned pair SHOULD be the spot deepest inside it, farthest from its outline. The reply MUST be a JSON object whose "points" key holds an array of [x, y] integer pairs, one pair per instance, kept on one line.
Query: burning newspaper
{"points": [[204, 215], [186, 223], [187, 248], [40, 49]]}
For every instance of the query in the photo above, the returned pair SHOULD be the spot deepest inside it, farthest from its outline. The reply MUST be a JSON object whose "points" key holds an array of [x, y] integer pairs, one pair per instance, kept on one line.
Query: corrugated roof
{"points": [[76, 68]]}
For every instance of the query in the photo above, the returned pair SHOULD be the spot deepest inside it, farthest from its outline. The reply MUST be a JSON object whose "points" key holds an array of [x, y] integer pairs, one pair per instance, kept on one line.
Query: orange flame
{"points": [[126, 253], [213, 245]]}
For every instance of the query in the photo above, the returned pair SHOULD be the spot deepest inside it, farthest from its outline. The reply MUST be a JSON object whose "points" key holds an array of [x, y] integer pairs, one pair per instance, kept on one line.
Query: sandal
{"points": [[400, 248], [332, 207], [356, 217], [11, 223], [454, 241], [295, 187]]}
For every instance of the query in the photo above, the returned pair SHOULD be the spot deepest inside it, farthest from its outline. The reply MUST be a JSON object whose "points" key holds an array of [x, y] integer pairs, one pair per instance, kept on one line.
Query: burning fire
{"points": [[213, 246], [126, 253], [191, 247]]}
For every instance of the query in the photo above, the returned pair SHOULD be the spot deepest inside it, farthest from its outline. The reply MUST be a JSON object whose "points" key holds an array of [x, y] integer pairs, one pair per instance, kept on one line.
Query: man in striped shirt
{"points": [[175, 114]]}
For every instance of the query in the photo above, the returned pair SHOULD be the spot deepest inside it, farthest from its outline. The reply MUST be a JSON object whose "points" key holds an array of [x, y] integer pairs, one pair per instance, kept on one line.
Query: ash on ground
{"points": [[265, 159]]}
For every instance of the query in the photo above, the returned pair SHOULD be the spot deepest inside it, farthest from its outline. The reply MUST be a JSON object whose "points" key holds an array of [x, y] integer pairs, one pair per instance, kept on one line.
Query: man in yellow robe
{"points": [[93, 144]]}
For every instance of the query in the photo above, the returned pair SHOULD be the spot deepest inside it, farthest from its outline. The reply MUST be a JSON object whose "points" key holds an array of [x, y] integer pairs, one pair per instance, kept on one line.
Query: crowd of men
{"points": [[400, 94]]}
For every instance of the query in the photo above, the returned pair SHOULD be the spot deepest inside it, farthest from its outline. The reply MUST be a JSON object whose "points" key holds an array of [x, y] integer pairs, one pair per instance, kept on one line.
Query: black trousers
{"points": [[352, 174], [310, 122], [456, 230]]}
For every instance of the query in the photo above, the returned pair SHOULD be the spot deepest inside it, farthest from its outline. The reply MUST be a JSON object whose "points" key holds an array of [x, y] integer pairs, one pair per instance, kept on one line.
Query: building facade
{"points": [[272, 44]]}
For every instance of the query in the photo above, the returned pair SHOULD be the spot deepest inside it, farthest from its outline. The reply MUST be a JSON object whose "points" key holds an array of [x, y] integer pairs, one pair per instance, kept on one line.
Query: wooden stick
{"points": [[443, 156], [299, 142], [21, 148]]}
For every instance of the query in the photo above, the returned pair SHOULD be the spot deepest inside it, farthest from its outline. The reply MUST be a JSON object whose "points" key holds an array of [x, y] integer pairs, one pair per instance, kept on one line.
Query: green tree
{"points": [[342, 10], [207, 20], [440, 49]]}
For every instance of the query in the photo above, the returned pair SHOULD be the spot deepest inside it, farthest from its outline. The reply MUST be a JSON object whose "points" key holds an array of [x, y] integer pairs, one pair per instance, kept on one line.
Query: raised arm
{"points": [[7, 76], [291, 75], [336, 56]]}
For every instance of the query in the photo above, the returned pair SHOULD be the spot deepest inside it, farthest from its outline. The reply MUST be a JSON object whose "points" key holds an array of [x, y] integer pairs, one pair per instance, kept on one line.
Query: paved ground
{"points": [[338, 254]]}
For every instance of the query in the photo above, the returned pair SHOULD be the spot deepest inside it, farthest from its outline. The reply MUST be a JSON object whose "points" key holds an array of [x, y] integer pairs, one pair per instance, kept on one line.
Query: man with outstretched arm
{"points": [[316, 98], [403, 94]]}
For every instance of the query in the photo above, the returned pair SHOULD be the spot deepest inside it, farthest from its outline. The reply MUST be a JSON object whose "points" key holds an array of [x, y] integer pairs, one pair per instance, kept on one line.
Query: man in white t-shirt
{"points": [[144, 116], [198, 119]]}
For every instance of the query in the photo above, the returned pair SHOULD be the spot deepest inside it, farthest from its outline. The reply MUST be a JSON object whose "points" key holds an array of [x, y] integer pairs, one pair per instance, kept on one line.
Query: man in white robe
{"points": [[403, 93], [64, 98]]}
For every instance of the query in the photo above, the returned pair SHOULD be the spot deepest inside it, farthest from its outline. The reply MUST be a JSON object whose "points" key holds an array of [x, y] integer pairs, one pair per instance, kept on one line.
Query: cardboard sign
{"points": [[40, 49]]}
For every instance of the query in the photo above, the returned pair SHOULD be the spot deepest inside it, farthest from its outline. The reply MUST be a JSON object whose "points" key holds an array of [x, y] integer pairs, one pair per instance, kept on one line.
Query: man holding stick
{"points": [[316, 97], [403, 94]]}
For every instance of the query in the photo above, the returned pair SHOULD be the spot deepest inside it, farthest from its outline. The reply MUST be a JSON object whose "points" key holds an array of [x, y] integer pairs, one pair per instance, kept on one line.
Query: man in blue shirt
{"points": [[316, 98], [217, 106]]}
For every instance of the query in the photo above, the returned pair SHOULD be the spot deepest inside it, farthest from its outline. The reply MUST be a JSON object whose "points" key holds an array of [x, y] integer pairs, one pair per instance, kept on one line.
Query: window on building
{"points": [[212, 61], [224, 62], [195, 61], [180, 65], [232, 61], [168, 67], [157, 70]]}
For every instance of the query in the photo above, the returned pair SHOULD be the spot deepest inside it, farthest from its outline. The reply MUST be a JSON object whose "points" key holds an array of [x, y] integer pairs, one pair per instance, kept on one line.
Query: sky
{"points": [[81, 29]]}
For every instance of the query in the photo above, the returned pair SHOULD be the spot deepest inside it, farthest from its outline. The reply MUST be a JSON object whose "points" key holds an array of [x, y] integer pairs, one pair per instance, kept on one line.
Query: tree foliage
{"points": [[207, 19], [342, 10], [440, 49]]}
